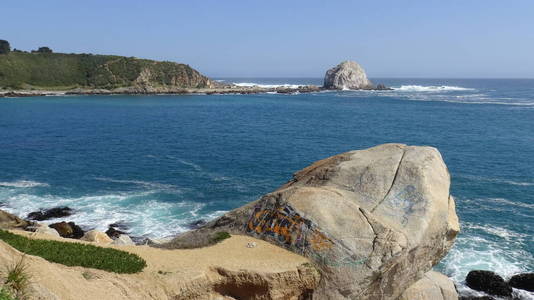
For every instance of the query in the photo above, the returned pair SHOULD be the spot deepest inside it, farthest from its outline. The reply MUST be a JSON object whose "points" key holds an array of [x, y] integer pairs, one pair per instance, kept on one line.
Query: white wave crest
{"points": [[430, 88], [23, 184], [146, 184], [267, 86], [144, 214]]}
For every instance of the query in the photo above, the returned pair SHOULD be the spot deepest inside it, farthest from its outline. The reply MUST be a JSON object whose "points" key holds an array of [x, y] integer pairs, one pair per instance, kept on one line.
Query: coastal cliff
{"points": [[59, 71]]}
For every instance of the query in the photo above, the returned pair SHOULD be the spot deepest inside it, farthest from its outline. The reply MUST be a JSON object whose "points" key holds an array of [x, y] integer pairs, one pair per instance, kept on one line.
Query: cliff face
{"points": [[67, 71]]}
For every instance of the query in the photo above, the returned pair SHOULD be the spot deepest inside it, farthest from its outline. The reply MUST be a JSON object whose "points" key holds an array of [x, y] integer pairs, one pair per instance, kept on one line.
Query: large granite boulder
{"points": [[433, 286], [348, 75], [372, 221]]}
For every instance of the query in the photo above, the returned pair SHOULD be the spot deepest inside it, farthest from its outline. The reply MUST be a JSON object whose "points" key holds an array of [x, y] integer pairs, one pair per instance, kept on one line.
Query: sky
{"points": [[291, 38]]}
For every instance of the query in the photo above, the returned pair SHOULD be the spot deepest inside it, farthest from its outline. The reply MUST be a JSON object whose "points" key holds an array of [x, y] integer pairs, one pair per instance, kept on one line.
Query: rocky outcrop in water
{"points": [[347, 75], [371, 221], [523, 281], [489, 282], [52, 213]]}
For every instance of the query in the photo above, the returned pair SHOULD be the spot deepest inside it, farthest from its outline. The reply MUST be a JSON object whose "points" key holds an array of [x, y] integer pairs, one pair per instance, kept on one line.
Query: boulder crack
{"points": [[392, 182]]}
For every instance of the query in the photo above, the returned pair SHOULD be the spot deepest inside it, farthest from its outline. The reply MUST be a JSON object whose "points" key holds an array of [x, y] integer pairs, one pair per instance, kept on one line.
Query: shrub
{"points": [[76, 254], [4, 47]]}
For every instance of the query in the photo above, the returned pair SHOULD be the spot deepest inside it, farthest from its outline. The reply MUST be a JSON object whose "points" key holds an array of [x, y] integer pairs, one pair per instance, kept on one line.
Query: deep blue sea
{"points": [[158, 163]]}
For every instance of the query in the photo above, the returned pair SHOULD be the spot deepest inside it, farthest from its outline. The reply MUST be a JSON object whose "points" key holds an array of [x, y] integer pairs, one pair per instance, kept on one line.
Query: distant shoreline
{"points": [[162, 91]]}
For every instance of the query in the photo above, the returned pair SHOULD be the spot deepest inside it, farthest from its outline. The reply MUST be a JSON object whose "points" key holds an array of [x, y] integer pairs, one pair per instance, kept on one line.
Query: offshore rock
{"points": [[372, 221], [489, 282], [348, 75], [52, 213], [523, 281]]}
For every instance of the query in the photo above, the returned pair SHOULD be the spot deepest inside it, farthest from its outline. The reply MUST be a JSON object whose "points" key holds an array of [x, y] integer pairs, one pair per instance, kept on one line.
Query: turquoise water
{"points": [[158, 163]]}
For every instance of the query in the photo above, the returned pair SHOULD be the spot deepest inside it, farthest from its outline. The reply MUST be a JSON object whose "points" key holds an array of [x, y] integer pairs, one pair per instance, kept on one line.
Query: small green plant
{"points": [[5, 294], [88, 275], [220, 236], [18, 278], [76, 254]]}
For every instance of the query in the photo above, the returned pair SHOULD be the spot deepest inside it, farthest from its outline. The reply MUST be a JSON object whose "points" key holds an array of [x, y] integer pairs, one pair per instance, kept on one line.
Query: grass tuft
{"points": [[76, 254], [18, 278]]}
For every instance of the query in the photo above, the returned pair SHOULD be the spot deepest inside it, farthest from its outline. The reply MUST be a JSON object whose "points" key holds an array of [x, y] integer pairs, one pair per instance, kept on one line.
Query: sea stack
{"points": [[348, 75]]}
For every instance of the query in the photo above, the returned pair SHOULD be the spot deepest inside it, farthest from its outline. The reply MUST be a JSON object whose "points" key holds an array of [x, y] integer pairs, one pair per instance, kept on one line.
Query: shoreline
{"points": [[243, 90]]}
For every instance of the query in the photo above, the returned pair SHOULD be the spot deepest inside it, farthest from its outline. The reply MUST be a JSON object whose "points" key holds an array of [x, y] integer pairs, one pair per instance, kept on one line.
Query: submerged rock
{"points": [[523, 281], [371, 221], [433, 285], [347, 75], [53, 213], [489, 282], [68, 230]]}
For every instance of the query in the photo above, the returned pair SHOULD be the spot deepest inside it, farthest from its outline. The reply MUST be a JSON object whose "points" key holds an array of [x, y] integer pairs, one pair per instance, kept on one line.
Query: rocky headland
{"points": [[44, 73], [366, 224]]}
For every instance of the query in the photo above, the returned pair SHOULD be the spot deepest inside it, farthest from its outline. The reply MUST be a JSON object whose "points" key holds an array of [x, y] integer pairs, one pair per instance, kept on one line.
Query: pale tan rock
{"points": [[347, 75], [44, 229], [372, 221], [96, 236], [10, 221], [123, 240], [433, 286]]}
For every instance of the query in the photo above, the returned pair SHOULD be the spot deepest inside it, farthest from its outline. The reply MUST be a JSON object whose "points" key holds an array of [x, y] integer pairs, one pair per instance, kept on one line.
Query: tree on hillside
{"points": [[42, 50], [4, 47]]}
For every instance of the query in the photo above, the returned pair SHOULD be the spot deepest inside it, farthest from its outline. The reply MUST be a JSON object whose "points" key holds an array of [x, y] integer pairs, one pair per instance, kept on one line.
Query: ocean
{"points": [[157, 163]]}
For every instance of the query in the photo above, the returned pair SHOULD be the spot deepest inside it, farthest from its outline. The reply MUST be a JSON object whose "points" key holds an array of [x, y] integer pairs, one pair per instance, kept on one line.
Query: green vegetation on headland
{"points": [[76, 254], [43, 69]]}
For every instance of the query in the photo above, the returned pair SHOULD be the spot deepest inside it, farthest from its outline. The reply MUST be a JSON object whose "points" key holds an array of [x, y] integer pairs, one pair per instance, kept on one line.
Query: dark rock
{"points": [[488, 282], [523, 281], [53, 213], [196, 224], [382, 87], [476, 298], [68, 230], [116, 229]]}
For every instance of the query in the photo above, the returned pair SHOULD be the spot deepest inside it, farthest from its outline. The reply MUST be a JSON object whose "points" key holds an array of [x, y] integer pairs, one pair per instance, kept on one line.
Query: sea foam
{"points": [[23, 184], [267, 86], [430, 88]]}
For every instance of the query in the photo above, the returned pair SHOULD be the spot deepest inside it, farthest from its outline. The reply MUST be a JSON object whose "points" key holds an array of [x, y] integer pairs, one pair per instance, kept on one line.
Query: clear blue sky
{"points": [[453, 38]]}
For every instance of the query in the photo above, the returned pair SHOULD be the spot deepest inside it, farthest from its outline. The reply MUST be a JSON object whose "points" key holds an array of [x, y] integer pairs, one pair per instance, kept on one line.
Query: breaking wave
{"points": [[430, 88], [23, 184], [267, 86]]}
